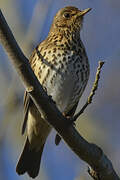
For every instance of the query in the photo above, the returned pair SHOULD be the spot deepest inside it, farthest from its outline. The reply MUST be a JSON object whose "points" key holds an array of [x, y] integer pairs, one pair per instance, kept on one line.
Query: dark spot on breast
{"points": [[39, 74], [55, 41], [67, 46], [65, 51], [43, 66], [69, 41], [41, 48], [52, 67], [51, 81], [82, 78], [65, 71], [68, 32], [53, 55], [44, 53], [55, 37], [62, 66], [46, 47], [33, 60], [83, 67], [86, 74], [59, 55], [77, 72], [64, 59], [54, 50], [49, 51], [54, 61]]}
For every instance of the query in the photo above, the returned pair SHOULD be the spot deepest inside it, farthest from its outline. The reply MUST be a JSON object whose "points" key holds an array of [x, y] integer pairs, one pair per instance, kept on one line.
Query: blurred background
{"points": [[30, 22]]}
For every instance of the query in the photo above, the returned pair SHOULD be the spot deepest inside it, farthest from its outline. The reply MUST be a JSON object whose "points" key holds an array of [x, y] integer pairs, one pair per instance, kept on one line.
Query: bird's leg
{"points": [[70, 122], [69, 119]]}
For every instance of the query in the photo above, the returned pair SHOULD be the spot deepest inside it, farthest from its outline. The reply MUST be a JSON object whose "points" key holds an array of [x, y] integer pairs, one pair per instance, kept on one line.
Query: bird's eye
{"points": [[67, 15]]}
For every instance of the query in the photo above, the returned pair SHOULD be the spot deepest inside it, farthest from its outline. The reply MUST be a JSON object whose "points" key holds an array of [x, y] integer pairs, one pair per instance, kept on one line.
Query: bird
{"points": [[61, 65]]}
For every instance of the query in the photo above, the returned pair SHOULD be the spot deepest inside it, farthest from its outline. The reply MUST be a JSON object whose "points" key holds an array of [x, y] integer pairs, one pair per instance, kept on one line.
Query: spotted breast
{"points": [[61, 65]]}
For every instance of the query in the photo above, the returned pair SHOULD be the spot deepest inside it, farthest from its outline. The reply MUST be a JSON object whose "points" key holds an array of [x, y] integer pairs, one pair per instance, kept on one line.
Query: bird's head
{"points": [[69, 18]]}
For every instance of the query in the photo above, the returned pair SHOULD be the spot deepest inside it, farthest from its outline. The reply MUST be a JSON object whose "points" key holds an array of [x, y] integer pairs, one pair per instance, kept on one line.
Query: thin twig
{"points": [[92, 93]]}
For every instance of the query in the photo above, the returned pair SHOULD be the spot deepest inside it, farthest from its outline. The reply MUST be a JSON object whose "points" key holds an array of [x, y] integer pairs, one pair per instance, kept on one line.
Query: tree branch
{"points": [[88, 152], [92, 93]]}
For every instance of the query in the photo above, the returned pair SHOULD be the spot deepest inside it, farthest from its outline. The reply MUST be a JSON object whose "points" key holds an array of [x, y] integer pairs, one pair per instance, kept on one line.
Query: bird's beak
{"points": [[83, 12]]}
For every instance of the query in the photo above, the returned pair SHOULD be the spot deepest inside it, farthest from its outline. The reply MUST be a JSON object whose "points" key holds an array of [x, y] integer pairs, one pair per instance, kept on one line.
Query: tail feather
{"points": [[29, 161]]}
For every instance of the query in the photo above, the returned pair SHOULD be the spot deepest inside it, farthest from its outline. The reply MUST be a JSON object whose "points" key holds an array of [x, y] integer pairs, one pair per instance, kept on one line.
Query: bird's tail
{"points": [[29, 160]]}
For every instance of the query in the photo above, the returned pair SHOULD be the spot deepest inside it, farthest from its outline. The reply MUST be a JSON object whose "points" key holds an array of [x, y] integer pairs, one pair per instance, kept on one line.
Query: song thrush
{"points": [[61, 65]]}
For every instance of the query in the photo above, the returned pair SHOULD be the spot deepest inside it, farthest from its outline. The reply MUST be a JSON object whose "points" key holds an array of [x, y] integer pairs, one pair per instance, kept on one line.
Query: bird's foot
{"points": [[70, 121]]}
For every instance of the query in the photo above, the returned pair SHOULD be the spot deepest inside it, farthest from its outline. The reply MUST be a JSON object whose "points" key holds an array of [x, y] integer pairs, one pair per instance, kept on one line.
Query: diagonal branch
{"points": [[88, 152]]}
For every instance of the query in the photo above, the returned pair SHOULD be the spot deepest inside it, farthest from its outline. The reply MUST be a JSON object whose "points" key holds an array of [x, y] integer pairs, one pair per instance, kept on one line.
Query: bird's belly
{"points": [[62, 90], [60, 85]]}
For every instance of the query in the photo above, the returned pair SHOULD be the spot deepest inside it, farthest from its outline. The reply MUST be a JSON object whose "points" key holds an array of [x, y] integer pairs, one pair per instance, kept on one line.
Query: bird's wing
{"points": [[27, 102]]}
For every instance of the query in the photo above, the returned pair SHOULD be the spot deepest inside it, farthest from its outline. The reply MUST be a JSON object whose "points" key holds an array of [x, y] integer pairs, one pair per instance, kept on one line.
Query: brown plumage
{"points": [[61, 65]]}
